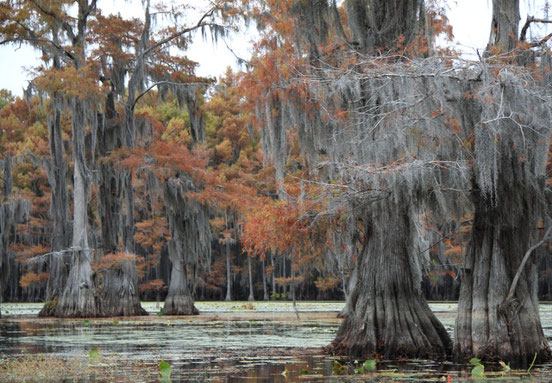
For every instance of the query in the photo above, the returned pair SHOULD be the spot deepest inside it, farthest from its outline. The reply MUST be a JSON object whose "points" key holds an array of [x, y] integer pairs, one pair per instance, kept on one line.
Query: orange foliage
{"points": [[154, 285], [29, 279], [327, 283], [114, 261]]}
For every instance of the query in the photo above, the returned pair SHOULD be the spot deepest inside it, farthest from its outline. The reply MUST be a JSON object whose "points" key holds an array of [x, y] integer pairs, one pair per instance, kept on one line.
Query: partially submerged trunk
{"points": [[179, 300], [387, 313], [56, 169], [119, 294], [79, 296], [119, 291], [189, 244], [12, 212], [489, 326]]}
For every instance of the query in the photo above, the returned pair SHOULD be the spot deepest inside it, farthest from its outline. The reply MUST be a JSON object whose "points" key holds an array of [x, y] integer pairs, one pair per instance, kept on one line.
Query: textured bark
{"points": [[79, 296], [509, 202], [488, 326], [377, 24], [190, 243], [12, 212], [119, 293], [179, 300], [504, 24], [118, 290], [387, 313], [56, 169]]}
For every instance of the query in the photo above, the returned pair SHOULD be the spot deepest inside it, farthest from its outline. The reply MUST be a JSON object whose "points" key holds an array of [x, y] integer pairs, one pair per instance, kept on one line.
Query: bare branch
{"points": [[530, 20], [164, 83], [523, 262], [200, 24], [65, 25]]}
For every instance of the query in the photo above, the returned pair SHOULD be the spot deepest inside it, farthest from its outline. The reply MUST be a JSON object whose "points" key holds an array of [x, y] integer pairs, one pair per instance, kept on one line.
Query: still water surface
{"points": [[228, 342]]}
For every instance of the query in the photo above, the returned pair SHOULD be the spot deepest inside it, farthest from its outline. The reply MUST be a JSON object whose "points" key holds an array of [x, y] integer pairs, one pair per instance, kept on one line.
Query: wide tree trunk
{"points": [[387, 313], [489, 326], [78, 298], [119, 291], [189, 244], [119, 294], [179, 300]]}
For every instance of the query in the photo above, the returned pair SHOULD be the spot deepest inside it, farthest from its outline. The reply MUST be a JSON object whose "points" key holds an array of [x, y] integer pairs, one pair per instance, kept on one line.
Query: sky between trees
{"points": [[469, 18]]}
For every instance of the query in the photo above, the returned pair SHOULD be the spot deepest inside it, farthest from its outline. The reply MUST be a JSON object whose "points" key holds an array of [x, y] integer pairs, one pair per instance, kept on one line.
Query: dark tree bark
{"points": [[387, 313], [56, 169], [228, 272], [12, 212], [190, 243], [504, 25], [377, 24], [265, 287], [488, 325], [250, 274], [79, 296], [119, 291]]}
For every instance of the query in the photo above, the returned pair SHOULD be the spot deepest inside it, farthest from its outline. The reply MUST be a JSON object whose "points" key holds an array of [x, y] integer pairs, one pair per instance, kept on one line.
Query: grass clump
{"points": [[42, 368]]}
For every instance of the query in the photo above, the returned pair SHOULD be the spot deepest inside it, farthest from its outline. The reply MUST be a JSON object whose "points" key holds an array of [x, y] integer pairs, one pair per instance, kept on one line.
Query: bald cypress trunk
{"points": [[56, 169], [488, 325], [190, 243], [228, 273], [118, 289], [508, 195], [79, 295], [179, 300], [250, 274], [377, 24], [387, 313], [12, 211]]}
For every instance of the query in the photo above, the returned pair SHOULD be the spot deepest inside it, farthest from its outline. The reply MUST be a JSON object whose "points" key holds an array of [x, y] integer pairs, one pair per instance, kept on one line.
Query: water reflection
{"points": [[212, 348]]}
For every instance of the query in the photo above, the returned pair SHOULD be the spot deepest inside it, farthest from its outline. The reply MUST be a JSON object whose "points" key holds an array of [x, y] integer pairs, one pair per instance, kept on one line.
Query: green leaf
{"points": [[475, 361], [304, 372], [478, 371], [86, 323], [164, 370], [115, 323], [161, 312], [337, 368], [369, 365], [94, 355]]}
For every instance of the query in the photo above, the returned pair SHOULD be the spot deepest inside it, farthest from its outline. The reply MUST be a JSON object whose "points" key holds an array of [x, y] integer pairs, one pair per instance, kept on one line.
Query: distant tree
{"points": [[86, 80]]}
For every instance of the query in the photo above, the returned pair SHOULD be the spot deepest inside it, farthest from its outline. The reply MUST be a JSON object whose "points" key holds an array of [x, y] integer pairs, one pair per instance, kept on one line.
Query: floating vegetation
{"points": [[214, 346]]}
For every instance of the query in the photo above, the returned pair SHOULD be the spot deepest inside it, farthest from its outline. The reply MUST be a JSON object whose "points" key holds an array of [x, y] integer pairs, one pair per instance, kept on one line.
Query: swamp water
{"points": [[228, 342]]}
